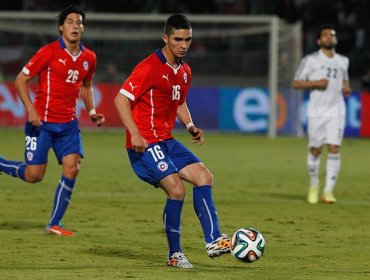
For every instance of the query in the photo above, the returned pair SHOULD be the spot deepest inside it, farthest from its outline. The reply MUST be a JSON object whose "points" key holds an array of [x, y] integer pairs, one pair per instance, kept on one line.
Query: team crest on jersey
{"points": [[162, 166], [29, 156], [185, 78], [86, 65]]}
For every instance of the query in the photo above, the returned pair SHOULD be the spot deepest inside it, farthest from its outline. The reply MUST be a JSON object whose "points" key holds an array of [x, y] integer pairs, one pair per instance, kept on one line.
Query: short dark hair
{"points": [[69, 10], [176, 21], [323, 27]]}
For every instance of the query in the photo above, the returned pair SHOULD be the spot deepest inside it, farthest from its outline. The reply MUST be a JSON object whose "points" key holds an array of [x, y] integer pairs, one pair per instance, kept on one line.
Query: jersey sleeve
{"points": [[303, 70], [345, 74], [92, 69], [38, 62], [187, 81], [140, 81]]}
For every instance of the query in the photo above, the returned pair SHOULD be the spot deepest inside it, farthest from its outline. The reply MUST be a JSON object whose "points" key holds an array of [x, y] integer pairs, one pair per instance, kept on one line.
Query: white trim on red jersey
{"points": [[129, 95]]}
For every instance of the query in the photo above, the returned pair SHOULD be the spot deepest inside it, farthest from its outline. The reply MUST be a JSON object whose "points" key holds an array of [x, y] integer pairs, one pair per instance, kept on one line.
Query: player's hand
{"points": [[197, 135], [34, 118], [347, 90], [139, 144], [98, 119], [322, 84]]}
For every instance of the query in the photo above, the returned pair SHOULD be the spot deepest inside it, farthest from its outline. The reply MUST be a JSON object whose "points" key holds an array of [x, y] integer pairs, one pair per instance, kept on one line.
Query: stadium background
{"points": [[212, 99]]}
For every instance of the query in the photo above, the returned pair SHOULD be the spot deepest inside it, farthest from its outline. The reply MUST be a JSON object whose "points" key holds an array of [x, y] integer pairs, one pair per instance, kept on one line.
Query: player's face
{"points": [[178, 42], [72, 27], [328, 39]]}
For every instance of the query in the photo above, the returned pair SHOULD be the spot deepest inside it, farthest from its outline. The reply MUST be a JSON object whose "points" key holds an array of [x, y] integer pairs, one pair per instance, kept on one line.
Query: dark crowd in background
{"points": [[350, 17]]}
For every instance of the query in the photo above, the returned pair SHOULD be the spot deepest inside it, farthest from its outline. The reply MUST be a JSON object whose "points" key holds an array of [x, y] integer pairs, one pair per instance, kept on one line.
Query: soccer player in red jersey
{"points": [[65, 69], [148, 104]]}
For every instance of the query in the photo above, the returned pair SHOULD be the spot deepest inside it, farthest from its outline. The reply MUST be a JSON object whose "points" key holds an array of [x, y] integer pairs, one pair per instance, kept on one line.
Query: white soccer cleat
{"points": [[178, 259], [219, 246]]}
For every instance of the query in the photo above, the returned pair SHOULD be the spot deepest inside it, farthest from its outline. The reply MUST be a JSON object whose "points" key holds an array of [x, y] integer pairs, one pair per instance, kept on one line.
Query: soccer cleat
{"points": [[219, 246], [313, 195], [58, 230], [328, 198], [178, 259]]}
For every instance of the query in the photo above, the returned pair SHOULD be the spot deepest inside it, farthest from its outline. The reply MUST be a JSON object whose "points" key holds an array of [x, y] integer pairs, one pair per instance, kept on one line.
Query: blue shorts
{"points": [[160, 160], [64, 138]]}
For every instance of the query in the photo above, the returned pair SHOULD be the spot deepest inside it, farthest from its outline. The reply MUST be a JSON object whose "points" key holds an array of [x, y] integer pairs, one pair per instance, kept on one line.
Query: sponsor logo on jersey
{"points": [[86, 65], [132, 86], [62, 61], [162, 166], [185, 78], [29, 155], [165, 77]]}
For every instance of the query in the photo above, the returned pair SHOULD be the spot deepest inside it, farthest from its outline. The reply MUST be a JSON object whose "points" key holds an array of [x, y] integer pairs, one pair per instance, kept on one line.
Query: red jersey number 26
{"points": [[72, 76]]}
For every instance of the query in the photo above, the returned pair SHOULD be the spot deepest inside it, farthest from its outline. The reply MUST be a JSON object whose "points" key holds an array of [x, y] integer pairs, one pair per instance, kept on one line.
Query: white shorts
{"points": [[327, 130]]}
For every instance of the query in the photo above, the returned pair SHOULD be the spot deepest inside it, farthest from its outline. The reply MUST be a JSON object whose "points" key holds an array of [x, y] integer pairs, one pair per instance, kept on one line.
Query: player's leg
{"points": [[63, 194], [198, 175], [155, 167], [175, 191], [313, 166], [37, 145], [334, 138], [68, 150], [13, 168], [332, 171], [27, 173], [192, 170], [316, 138]]}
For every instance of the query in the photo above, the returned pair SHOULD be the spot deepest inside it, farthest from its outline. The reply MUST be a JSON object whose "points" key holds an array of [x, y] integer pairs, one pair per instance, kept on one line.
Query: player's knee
{"points": [[71, 171], [177, 192], [205, 178], [315, 151], [34, 177], [333, 149]]}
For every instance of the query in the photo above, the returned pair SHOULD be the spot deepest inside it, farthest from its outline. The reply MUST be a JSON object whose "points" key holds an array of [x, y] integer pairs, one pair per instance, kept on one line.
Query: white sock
{"points": [[332, 170], [313, 165]]}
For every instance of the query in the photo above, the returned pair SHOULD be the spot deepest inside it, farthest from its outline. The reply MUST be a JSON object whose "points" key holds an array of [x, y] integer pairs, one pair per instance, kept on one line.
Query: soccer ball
{"points": [[247, 244]]}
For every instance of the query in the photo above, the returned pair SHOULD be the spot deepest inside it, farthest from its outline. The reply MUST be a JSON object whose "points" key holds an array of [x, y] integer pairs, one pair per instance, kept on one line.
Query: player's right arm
{"points": [[39, 61], [123, 106], [22, 89], [304, 72], [316, 84]]}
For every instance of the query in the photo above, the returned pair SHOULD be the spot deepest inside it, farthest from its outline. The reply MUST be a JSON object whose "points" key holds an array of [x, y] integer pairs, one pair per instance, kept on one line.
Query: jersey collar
{"points": [[161, 56], [325, 56], [63, 46]]}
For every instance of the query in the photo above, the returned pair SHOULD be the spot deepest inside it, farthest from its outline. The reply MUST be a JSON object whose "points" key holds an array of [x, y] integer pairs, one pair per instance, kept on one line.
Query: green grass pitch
{"points": [[258, 182]]}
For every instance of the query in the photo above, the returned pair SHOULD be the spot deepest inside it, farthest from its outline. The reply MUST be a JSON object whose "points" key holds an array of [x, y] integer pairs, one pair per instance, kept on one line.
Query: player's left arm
{"points": [[347, 90], [184, 116], [87, 95]]}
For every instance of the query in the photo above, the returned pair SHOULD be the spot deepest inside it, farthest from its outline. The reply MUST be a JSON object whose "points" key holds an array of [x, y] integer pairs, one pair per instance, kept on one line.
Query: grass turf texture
{"points": [[118, 219]]}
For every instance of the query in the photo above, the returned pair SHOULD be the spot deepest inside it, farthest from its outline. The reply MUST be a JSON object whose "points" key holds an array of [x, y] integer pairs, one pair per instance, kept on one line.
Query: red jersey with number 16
{"points": [[156, 90], [60, 77]]}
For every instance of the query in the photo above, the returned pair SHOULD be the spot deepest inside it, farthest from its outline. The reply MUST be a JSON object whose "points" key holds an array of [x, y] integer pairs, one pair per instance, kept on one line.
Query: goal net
{"points": [[227, 51]]}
